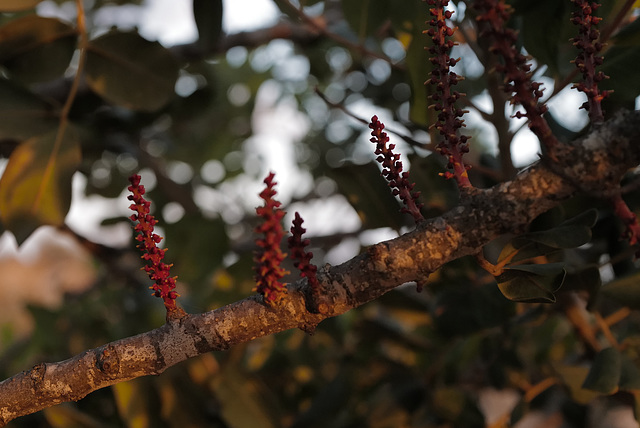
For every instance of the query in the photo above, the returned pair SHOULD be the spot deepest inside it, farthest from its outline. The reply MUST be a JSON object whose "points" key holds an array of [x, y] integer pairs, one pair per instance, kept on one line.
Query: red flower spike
{"points": [[630, 221], [495, 14], [588, 58], [269, 256], [158, 271], [453, 146], [392, 171], [302, 258]]}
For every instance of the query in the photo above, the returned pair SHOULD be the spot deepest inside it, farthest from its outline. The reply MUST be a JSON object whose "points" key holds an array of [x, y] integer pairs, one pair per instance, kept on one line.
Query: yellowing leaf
{"points": [[133, 406], [35, 188], [17, 5], [66, 416]]}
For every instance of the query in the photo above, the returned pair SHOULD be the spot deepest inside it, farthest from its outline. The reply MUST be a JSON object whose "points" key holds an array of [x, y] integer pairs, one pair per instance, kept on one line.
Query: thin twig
{"points": [[322, 29], [412, 142], [64, 114]]}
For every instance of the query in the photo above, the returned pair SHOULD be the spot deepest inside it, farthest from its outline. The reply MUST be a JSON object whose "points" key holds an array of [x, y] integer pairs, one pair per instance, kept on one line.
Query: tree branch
{"points": [[595, 163]]}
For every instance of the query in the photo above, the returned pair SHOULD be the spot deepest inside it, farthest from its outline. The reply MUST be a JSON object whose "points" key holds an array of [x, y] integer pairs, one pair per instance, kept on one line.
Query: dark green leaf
{"points": [[549, 269], [366, 16], [132, 72], [541, 30], [208, 17], [438, 194], [620, 64], [628, 35], [526, 250], [418, 69], [24, 115], [629, 374], [35, 188], [587, 219], [36, 49], [531, 283], [604, 375], [570, 234], [369, 194]]}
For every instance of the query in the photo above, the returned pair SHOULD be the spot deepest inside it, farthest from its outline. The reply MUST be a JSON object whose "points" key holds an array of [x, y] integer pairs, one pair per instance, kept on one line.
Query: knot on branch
{"points": [[107, 361]]}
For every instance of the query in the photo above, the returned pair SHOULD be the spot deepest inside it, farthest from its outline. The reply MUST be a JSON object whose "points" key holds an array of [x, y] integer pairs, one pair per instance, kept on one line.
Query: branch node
{"points": [[107, 361]]}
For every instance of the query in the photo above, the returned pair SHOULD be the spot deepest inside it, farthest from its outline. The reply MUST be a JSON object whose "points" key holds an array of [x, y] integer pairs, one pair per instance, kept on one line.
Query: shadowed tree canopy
{"points": [[464, 174]]}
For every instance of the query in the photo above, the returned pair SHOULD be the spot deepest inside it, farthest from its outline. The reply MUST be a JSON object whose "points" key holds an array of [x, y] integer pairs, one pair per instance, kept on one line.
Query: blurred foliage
{"points": [[198, 121]]}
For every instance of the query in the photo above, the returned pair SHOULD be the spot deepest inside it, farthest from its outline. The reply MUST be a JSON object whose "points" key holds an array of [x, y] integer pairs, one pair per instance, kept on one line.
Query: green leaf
{"points": [[629, 374], [438, 194], [545, 32], [604, 375], [418, 71], [624, 290], [17, 5], [629, 35], [549, 269], [569, 234], [620, 64], [561, 237], [587, 219], [419, 68], [132, 72], [35, 188], [526, 250], [573, 377], [24, 115], [208, 17], [36, 49], [365, 16], [532, 283]]}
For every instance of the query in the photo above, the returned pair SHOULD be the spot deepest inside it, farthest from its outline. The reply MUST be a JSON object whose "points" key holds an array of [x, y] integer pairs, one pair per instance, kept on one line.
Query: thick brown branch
{"points": [[595, 163]]}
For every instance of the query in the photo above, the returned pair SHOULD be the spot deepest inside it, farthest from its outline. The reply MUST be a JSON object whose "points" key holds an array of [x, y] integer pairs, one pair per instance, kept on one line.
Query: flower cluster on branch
{"points": [[392, 171], [588, 59], [518, 77], [629, 219], [164, 284], [268, 258], [302, 258], [453, 146]]}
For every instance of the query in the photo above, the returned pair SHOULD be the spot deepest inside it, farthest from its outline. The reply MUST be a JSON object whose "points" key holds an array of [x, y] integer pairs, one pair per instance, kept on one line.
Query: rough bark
{"points": [[595, 163]]}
